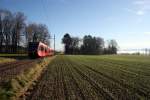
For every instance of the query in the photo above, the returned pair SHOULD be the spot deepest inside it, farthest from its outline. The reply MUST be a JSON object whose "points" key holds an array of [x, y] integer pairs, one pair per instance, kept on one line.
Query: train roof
{"points": [[38, 43]]}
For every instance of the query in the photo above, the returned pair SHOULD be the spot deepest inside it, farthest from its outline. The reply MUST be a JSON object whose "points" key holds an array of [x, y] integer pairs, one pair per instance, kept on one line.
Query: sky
{"points": [[126, 21]]}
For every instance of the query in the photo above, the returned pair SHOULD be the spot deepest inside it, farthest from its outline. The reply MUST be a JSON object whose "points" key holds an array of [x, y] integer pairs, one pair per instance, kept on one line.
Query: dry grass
{"points": [[4, 60], [16, 87]]}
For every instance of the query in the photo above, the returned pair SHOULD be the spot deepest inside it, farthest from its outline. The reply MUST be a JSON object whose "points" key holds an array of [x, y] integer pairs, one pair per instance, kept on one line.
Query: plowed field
{"points": [[94, 78]]}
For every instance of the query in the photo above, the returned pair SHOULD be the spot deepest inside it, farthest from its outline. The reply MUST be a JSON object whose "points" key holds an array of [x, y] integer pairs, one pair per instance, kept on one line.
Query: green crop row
{"points": [[95, 77]]}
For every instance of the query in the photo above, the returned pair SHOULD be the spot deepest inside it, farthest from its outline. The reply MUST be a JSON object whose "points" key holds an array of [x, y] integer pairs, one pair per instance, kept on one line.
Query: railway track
{"points": [[11, 69]]}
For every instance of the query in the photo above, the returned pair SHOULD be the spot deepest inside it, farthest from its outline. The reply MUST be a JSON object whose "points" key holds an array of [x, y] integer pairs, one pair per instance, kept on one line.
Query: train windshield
{"points": [[33, 46]]}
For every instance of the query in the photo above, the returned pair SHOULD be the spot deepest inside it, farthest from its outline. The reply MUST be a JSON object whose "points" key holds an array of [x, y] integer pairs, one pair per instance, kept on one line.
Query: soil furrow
{"points": [[138, 91], [99, 89]]}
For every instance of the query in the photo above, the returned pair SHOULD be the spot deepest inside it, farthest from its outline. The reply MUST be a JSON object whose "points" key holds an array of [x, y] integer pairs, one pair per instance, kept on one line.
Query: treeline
{"points": [[88, 45], [15, 32]]}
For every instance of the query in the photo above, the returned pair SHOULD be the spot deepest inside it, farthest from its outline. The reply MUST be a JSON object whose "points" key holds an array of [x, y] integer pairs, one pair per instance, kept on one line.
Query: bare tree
{"points": [[75, 45], [112, 47], [1, 29], [67, 41], [7, 24], [19, 25], [37, 32], [6, 19], [15, 33]]}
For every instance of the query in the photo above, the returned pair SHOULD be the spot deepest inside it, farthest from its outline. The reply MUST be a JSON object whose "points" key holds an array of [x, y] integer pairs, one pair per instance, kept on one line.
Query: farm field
{"points": [[94, 77]]}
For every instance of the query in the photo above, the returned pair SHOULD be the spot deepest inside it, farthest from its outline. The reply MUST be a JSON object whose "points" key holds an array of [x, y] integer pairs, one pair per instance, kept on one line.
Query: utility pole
{"points": [[146, 51], [54, 44]]}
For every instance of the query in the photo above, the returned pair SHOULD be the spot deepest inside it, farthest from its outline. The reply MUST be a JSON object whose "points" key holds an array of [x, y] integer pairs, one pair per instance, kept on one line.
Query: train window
{"points": [[45, 49], [42, 48]]}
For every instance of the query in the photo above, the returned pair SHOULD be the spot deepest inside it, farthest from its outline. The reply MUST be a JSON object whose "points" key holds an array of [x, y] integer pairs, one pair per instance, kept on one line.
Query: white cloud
{"points": [[139, 7], [139, 2]]}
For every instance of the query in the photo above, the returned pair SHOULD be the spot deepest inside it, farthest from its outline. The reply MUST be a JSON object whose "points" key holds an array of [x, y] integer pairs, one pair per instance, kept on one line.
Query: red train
{"points": [[39, 49]]}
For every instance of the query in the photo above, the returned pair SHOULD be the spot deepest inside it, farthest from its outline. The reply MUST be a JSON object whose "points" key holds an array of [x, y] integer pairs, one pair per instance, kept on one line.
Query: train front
{"points": [[32, 49]]}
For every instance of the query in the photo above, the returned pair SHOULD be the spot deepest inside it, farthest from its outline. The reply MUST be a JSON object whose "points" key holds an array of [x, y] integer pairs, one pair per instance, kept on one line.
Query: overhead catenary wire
{"points": [[45, 7]]}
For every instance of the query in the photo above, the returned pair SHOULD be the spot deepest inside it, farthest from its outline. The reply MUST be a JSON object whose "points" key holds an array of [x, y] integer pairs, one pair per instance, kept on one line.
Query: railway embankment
{"points": [[6, 60], [18, 77]]}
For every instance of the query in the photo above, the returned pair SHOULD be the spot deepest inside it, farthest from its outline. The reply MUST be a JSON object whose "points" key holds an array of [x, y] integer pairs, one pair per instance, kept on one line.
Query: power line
{"points": [[54, 42], [45, 14]]}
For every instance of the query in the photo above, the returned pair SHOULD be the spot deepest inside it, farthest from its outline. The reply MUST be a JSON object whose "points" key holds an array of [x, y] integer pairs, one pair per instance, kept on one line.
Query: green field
{"points": [[95, 77]]}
